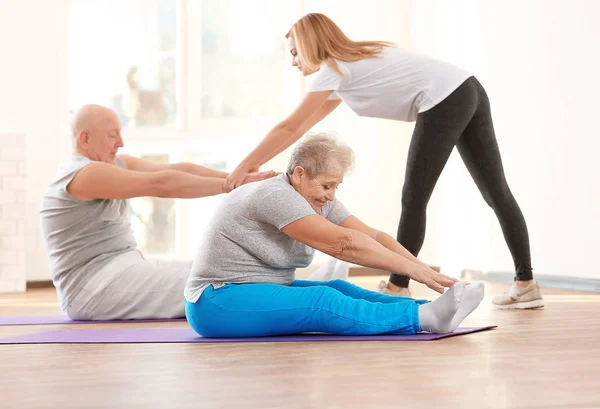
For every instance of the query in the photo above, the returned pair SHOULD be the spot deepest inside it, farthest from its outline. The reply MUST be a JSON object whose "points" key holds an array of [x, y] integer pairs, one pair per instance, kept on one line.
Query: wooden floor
{"points": [[548, 358]]}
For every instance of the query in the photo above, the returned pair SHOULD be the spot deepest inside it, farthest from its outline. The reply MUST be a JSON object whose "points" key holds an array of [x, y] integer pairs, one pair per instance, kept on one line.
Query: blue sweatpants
{"points": [[334, 307]]}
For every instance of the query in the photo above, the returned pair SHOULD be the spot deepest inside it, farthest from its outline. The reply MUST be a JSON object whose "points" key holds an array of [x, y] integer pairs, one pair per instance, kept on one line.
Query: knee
{"points": [[498, 196], [412, 200], [78, 315], [338, 283]]}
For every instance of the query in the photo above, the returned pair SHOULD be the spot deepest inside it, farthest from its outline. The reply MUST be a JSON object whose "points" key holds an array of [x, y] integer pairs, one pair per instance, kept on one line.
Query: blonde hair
{"points": [[320, 153], [318, 39]]}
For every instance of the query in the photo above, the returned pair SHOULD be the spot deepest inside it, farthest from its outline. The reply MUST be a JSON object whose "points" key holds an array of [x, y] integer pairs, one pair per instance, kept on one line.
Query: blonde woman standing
{"points": [[450, 107]]}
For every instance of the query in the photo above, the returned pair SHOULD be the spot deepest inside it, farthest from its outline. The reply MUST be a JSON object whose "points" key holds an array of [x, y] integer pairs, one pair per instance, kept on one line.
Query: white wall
{"points": [[539, 61], [33, 81], [13, 154]]}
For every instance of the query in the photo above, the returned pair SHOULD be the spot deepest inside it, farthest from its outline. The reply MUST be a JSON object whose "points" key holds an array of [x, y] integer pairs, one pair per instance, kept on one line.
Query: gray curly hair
{"points": [[321, 152]]}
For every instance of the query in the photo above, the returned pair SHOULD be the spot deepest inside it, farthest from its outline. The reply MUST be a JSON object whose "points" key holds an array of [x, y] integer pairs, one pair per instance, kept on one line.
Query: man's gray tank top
{"points": [[81, 237]]}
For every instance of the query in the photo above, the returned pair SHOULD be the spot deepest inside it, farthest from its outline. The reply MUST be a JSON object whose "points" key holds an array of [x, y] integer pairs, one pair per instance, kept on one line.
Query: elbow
{"points": [[290, 128], [161, 184], [346, 248]]}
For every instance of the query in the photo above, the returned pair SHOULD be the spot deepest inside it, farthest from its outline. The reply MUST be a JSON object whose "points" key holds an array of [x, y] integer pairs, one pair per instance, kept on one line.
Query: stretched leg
{"points": [[133, 288], [435, 135], [252, 310], [479, 150], [355, 291]]}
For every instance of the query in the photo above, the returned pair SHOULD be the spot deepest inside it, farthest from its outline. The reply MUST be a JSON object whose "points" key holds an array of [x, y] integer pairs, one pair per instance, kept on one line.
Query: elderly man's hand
{"points": [[257, 176], [431, 278]]}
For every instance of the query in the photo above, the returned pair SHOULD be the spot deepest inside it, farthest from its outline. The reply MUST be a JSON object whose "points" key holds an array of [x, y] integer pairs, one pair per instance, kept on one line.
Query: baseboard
{"points": [[39, 284], [562, 282]]}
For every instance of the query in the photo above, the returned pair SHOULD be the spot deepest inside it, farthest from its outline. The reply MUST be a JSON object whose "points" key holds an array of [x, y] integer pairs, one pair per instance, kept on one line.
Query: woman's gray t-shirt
{"points": [[244, 242]]}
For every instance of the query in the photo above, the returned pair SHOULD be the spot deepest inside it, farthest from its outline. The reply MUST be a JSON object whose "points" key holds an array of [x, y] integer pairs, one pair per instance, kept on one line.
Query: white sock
{"points": [[436, 316], [325, 271], [341, 270], [471, 297]]}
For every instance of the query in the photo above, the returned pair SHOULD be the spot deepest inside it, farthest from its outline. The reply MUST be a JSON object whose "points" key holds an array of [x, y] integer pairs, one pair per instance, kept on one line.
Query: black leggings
{"points": [[463, 120]]}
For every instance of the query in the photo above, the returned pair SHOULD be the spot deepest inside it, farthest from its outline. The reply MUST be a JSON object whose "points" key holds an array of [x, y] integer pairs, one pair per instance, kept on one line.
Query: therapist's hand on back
{"points": [[240, 175]]}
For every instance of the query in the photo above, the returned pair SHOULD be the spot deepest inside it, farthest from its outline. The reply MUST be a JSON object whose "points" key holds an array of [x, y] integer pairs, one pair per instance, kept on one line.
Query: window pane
{"points": [[201, 210], [245, 63], [153, 220], [123, 55]]}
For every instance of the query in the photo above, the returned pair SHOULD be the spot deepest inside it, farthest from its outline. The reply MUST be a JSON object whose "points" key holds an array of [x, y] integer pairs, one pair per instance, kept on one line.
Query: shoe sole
{"points": [[521, 305]]}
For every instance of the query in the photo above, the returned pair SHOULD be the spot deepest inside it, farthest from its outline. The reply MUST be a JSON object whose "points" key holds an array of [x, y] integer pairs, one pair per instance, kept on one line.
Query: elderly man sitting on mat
{"points": [[242, 282], [96, 268]]}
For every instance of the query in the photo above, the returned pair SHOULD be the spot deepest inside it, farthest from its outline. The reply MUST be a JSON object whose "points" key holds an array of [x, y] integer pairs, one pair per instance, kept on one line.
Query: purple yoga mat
{"points": [[64, 319], [186, 335]]}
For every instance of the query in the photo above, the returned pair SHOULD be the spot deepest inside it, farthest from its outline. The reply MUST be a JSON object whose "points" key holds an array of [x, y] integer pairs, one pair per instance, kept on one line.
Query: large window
{"points": [[123, 54], [191, 80]]}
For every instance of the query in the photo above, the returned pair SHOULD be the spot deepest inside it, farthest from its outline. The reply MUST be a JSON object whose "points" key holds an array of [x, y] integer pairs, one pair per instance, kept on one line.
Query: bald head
{"points": [[96, 132], [92, 116]]}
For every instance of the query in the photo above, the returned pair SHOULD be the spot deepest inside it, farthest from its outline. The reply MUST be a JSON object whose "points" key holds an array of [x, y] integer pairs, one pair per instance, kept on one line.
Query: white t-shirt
{"points": [[396, 84]]}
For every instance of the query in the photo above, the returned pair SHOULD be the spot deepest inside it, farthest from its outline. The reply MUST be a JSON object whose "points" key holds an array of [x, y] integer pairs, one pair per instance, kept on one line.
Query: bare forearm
{"points": [[276, 141], [365, 251], [390, 243], [317, 117], [199, 170], [177, 184]]}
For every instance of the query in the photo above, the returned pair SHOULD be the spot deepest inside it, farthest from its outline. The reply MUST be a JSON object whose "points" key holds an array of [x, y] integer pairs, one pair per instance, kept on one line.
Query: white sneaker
{"points": [[382, 288], [520, 298]]}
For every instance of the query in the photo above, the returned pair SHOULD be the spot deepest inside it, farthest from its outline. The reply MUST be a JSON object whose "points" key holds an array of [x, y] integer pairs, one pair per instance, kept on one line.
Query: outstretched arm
{"points": [[382, 238], [105, 181], [357, 247], [314, 107], [143, 165]]}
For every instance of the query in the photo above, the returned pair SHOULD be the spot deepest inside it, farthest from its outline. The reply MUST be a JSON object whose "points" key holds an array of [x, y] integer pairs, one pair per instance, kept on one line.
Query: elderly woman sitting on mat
{"points": [[242, 282]]}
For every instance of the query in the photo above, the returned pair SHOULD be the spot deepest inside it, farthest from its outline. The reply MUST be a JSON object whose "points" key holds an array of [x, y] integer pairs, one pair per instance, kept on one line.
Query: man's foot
{"points": [[331, 269], [520, 298], [341, 270], [400, 292]]}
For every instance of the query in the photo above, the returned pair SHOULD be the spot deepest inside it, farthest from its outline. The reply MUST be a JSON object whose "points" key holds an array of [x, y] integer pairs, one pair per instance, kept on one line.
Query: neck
{"points": [[77, 149]]}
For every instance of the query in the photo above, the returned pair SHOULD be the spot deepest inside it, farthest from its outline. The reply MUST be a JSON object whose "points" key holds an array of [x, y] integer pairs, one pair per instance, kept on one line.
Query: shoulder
{"points": [[276, 186], [70, 166], [335, 211], [326, 78]]}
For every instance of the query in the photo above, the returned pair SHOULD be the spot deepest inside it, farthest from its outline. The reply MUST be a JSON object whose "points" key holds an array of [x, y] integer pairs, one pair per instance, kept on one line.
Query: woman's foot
{"points": [[446, 313], [436, 316], [393, 290], [520, 297], [472, 295]]}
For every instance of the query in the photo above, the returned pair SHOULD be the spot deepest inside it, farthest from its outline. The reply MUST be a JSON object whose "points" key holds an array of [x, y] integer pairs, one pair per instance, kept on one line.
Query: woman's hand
{"points": [[240, 175], [431, 278], [257, 176], [235, 178], [314, 107]]}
